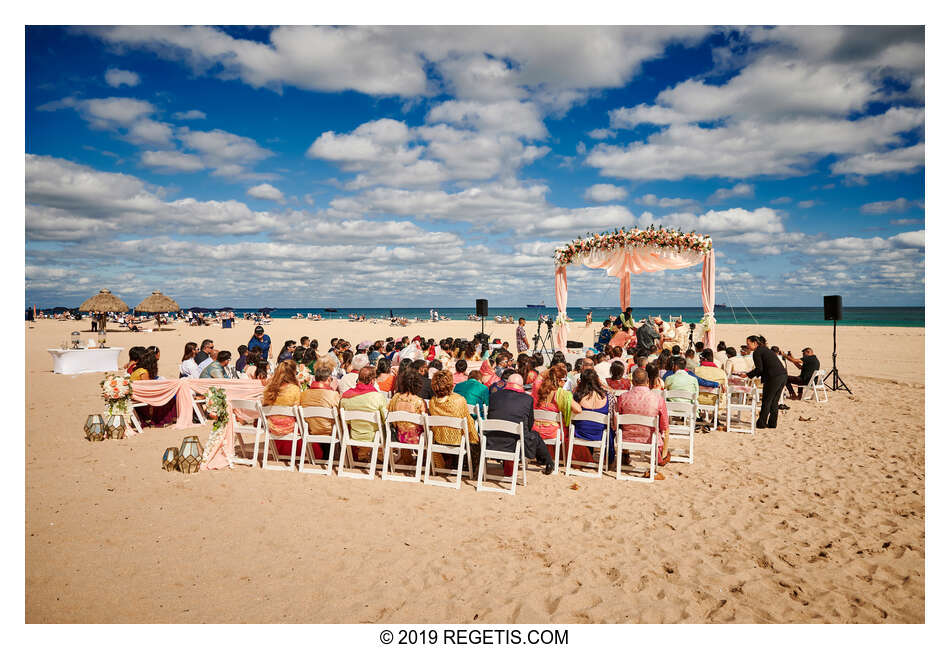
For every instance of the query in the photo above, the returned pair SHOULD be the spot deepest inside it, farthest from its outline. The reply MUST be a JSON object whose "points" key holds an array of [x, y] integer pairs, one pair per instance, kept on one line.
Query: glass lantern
{"points": [[189, 456], [75, 339], [115, 427], [95, 428], [170, 458], [102, 338]]}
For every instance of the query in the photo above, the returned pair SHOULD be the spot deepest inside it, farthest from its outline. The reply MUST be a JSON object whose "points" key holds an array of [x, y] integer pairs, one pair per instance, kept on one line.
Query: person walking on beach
{"points": [[521, 336], [774, 377]]}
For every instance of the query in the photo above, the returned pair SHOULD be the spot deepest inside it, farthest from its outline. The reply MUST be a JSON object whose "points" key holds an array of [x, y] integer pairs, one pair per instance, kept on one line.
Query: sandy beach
{"points": [[816, 521]]}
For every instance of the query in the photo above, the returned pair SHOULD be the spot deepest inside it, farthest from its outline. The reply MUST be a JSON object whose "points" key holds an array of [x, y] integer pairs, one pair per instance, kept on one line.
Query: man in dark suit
{"points": [[774, 376], [512, 404]]}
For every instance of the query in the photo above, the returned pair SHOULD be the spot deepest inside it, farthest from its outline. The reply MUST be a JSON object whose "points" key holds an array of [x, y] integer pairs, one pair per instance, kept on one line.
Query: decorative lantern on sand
{"points": [[102, 338], [75, 339], [189, 456], [170, 458], [115, 427], [95, 428]]}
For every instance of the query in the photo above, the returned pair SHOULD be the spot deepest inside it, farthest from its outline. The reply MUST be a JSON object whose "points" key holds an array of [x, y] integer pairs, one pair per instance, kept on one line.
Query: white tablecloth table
{"points": [[81, 361]]}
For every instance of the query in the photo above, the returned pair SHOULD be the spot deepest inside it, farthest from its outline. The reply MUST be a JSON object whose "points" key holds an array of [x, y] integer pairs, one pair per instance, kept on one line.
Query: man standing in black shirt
{"points": [[808, 364], [773, 375]]}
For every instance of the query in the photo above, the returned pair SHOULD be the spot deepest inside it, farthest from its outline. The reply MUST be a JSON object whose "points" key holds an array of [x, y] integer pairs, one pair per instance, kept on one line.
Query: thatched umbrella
{"points": [[157, 303], [101, 303]]}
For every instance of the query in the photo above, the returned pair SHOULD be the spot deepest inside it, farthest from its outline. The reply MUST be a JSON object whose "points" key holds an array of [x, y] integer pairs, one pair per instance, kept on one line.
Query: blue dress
{"points": [[593, 431]]}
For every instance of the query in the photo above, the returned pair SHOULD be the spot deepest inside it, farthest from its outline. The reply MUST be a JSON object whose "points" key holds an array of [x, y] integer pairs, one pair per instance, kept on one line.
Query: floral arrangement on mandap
{"points": [[658, 237], [116, 390], [217, 409], [304, 377]]}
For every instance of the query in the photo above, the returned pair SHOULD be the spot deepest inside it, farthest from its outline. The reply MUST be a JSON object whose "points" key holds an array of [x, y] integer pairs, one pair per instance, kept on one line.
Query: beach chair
{"points": [[320, 412], [241, 430], [637, 447], [502, 427], [133, 419], [346, 452], [462, 450], [393, 443], [741, 397], [270, 438], [713, 408], [682, 416], [815, 383], [599, 445], [197, 404], [556, 442]]}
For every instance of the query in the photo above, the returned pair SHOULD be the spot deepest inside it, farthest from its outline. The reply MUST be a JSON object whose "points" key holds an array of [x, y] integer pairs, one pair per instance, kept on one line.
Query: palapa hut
{"points": [[102, 303], [157, 303]]}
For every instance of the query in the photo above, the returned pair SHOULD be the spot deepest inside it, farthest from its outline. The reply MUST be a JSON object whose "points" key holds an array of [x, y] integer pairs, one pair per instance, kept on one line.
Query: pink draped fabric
{"points": [[560, 295], [623, 262], [220, 456], [709, 294], [158, 393]]}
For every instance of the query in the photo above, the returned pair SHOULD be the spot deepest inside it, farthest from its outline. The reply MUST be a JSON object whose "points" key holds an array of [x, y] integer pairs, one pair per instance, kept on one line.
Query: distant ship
{"points": [[720, 306], [330, 310], [537, 306]]}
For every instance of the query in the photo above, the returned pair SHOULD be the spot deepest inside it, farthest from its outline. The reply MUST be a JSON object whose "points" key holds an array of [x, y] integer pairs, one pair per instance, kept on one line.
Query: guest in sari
{"points": [[641, 400], [364, 397], [320, 394], [460, 371], [406, 401], [474, 391], [592, 396], [384, 376], [489, 377], [548, 396], [446, 403], [282, 390], [617, 380], [134, 366]]}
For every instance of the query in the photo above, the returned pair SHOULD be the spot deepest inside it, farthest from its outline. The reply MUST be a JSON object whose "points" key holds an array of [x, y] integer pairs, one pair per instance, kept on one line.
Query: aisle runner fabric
{"points": [[161, 391]]}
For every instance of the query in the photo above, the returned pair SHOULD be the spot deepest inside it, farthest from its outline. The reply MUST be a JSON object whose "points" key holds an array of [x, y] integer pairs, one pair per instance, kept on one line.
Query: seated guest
{"points": [[604, 336], [347, 374], [405, 400], [585, 364], [622, 338], [433, 367], [304, 342], [747, 363], [421, 367], [691, 362], [218, 369], [287, 351], [282, 390], [679, 379], [592, 396], [654, 382], [474, 391], [242, 358], [551, 396], [206, 351], [707, 370], [512, 404], [719, 358], [134, 367], [729, 365], [654, 353], [375, 352], [602, 365], [261, 370], [808, 364], [526, 370], [384, 377], [641, 400], [364, 397], [617, 380], [189, 368], [322, 393], [460, 371], [446, 403]]}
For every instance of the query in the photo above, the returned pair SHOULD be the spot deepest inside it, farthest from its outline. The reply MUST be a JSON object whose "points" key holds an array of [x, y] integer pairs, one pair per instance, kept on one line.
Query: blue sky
{"points": [[429, 166]]}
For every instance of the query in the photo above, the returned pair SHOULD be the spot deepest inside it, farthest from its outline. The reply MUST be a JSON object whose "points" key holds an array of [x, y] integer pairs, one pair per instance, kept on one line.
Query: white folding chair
{"points": [[478, 413], [598, 445], [133, 419], [317, 412], [740, 398], [682, 417], [517, 456], [637, 447], [197, 404], [394, 444], [461, 450], [712, 408], [270, 438], [241, 429], [346, 452], [556, 442], [815, 383]]}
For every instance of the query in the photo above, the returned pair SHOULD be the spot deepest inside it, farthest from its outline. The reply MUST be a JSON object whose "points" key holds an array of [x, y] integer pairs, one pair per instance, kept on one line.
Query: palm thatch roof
{"points": [[103, 302], [157, 302]]}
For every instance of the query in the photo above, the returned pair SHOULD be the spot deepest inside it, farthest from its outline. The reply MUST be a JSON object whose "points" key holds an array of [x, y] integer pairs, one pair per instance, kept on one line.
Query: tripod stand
{"points": [[544, 343], [837, 383]]}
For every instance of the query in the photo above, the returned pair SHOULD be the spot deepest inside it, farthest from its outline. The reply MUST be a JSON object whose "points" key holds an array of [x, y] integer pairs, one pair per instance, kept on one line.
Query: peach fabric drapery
{"points": [[622, 262], [160, 392]]}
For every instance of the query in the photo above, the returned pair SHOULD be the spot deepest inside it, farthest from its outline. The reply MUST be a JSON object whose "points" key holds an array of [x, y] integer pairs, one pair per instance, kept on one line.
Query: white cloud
{"points": [[738, 190], [654, 201], [171, 161], [189, 114], [128, 117], [228, 153], [781, 200], [807, 204], [116, 77], [604, 193], [601, 133], [897, 206], [513, 117], [266, 192], [903, 160]]}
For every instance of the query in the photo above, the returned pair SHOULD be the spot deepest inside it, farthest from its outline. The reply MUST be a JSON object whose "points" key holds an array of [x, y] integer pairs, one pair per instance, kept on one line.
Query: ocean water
{"points": [[863, 316]]}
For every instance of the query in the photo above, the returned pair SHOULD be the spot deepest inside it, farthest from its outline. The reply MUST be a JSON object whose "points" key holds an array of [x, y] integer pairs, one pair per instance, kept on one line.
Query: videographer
{"points": [[808, 364]]}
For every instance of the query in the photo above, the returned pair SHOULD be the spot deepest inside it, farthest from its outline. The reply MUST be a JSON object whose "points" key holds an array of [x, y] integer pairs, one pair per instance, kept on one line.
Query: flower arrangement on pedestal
{"points": [[657, 237], [116, 390], [217, 409]]}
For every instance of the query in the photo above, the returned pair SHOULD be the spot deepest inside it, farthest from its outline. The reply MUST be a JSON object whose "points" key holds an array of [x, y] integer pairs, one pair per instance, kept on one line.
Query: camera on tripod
{"points": [[481, 339], [543, 319]]}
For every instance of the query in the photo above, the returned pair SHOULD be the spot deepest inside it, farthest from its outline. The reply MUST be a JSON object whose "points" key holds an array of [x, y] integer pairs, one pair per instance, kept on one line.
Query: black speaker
{"points": [[574, 344], [481, 308], [833, 307]]}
